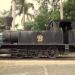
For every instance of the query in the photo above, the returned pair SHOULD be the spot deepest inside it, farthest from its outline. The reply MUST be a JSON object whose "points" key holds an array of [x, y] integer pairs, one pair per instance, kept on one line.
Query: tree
{"points": [[69, 10], [45, 15], [55, 15], [54, 4], [28, 25], [23, 8], [61, 10], [13, 14], [42, 18]]}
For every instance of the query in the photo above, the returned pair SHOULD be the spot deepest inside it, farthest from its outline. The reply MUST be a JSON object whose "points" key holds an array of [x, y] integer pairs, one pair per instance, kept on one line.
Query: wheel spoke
{"points": [[52, 52], [34, 54]]}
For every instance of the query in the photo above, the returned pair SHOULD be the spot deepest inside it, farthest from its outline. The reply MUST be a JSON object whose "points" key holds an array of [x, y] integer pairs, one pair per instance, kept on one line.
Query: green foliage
{"points": [[69, 10], [55, 15], [1, 21], [42, 18], [40, 22], [28, 25]]}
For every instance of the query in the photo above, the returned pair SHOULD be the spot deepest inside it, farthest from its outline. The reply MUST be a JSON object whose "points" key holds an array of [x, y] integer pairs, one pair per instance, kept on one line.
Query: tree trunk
{"points": [[13, 14], [61, 10], [23, 22]]}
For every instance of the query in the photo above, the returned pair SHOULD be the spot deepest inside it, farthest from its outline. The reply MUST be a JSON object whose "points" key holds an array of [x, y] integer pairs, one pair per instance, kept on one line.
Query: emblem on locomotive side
{"points": [[40, 38]]}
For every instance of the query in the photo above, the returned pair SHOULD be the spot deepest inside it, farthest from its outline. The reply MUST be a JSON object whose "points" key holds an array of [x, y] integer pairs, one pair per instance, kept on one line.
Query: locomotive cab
{"points": [[66, 27]]}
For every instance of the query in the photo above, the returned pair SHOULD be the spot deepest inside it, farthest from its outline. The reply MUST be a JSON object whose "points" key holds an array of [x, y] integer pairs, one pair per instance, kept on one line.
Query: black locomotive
{"points": [[57, 39]]}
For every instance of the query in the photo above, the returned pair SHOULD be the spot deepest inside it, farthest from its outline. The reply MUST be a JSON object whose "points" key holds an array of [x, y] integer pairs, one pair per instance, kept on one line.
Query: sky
{"points": [[5, 4]]}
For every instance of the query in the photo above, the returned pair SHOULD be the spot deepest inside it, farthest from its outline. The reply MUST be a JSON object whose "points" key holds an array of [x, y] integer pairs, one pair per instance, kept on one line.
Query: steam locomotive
{"points": [[57, 39]]}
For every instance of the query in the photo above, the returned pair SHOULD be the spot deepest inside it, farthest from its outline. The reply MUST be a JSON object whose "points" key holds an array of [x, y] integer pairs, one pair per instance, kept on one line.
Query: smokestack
{"points": [[8, 22]]}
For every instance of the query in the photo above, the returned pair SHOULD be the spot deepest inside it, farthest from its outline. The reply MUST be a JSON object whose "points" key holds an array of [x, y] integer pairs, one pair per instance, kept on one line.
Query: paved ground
{"points": [[37, 67]]}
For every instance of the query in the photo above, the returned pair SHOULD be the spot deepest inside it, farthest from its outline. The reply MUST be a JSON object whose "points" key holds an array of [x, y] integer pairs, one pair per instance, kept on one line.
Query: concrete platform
{"points": [[37, 67]]}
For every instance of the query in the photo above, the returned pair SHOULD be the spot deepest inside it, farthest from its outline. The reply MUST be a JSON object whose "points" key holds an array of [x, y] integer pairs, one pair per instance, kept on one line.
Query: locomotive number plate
{"points": [[40, 38]]}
